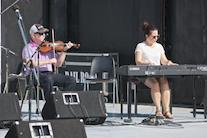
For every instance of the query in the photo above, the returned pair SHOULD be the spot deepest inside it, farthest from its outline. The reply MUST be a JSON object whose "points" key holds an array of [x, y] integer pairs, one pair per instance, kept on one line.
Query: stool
{"points": [[136, 86], [34, 91]]}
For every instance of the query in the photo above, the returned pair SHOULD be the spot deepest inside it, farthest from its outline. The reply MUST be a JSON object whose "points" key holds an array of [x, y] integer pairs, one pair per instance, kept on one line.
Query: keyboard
{"points": [[162, 70]]}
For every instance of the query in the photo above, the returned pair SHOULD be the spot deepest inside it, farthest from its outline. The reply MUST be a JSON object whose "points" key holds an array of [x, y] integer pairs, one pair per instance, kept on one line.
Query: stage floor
{"points": [[184, 125]]}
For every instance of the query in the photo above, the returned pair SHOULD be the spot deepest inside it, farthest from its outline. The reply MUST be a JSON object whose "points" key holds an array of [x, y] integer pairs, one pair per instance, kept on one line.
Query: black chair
{"points": [[103, 64]]}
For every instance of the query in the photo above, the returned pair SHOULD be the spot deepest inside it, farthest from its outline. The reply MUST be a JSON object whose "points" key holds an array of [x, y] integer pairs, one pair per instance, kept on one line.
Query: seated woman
{"points": [[149, 52]]}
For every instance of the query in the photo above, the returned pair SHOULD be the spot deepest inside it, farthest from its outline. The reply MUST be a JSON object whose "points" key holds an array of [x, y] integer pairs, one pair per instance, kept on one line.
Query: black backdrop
{"points": [[186, 34], [31, 12], [114, 26]]}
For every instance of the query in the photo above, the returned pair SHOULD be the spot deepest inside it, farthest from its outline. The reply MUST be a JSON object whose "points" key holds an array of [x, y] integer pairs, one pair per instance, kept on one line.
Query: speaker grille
{"points": [[10, 110]]}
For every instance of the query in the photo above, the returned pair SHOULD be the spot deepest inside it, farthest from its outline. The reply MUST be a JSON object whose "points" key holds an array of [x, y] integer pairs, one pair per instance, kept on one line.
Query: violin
{"points": [[59, 46]]}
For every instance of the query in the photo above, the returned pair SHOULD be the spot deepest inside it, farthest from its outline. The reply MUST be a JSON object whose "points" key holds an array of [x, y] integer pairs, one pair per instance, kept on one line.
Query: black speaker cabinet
{"points": [[10, 110], [86, 105], [59, 128]]}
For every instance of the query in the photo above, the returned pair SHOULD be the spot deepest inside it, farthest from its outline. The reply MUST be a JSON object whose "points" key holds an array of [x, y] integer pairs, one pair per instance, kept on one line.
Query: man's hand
{"points": [[53, 61], [68, 46]]}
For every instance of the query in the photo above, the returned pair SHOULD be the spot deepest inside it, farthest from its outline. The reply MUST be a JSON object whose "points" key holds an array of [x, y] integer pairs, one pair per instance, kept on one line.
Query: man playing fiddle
{"points": [[47, 77]]}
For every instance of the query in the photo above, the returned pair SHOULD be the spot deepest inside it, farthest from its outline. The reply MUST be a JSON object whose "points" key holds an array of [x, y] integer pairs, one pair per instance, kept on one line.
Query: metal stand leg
{"points": [[194, 98], [129, 101], [121, 95], [135, 98], [205, 100], [117, 92], [6, 88]]}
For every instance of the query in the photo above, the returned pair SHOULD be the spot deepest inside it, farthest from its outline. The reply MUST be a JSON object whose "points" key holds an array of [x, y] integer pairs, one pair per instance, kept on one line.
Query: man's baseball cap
{"points": [[38, 28]]}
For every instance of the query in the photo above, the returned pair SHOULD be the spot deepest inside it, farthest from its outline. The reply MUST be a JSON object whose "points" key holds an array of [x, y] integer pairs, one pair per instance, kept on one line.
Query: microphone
{"points": [[41, 43], [16, 9]]}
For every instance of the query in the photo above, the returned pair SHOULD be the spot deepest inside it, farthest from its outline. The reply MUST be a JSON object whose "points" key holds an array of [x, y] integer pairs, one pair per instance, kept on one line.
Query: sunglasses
{"points": [[158, 36], [40, 33]]}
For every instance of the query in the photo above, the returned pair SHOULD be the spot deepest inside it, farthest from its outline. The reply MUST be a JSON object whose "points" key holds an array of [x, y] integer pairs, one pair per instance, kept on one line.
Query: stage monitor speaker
{"points": [[10, 110], [86, 105], [59, 128]]}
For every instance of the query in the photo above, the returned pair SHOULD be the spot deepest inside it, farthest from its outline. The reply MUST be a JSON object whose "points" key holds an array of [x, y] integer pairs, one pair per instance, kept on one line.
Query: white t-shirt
{"points": [[149, 54]]}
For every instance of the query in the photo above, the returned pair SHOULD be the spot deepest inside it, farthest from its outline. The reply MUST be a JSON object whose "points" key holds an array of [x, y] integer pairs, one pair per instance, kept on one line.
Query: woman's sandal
{"points": [[158, 113], [168, 115]]}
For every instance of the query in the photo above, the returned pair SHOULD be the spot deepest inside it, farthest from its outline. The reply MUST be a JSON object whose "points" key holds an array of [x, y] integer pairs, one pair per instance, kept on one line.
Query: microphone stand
{"points": [[6, 87], [9, 7], [38, 77], [2, 47], [38, 57], [31, 67]]}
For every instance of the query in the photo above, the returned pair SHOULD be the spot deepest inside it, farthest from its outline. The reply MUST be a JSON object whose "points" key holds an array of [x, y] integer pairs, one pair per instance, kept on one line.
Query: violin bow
{"points": [[53, 41]]}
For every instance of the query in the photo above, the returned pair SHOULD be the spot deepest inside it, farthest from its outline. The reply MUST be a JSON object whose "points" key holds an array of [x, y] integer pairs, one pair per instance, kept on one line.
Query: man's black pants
{"points": [[49, 79]]}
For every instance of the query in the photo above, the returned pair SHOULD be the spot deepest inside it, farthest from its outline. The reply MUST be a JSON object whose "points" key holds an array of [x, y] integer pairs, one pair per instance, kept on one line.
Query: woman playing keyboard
{"points": [[149, 52]]}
